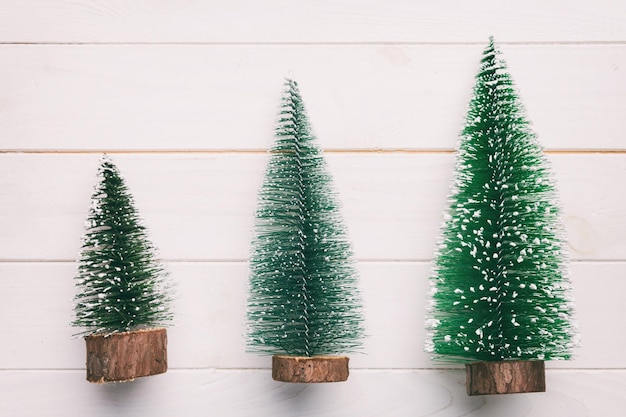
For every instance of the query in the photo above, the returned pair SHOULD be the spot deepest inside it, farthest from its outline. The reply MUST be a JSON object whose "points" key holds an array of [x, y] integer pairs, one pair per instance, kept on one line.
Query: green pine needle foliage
{"points": [[500, 285], [304, 299], [121, 284]]}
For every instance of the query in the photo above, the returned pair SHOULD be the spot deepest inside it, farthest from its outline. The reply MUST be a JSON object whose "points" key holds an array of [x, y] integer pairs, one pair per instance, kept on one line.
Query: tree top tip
{"points": [[105, 159], [290, 81]]}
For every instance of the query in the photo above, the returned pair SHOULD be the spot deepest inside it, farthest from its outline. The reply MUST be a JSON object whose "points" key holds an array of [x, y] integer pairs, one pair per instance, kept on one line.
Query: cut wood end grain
{"points": [[310, 369], [505, 377], [121, 357]]}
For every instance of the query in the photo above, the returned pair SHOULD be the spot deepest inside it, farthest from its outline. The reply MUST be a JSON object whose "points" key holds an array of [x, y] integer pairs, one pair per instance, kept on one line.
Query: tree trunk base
{"points": [[505, 377], [310, 369], [120, 357]]}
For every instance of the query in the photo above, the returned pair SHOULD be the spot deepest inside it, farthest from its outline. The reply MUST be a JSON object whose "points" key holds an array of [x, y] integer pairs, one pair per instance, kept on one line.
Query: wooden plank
{"points": [[201, 207], [209, 310], [309, 21], [218, 97], [252, 392]]}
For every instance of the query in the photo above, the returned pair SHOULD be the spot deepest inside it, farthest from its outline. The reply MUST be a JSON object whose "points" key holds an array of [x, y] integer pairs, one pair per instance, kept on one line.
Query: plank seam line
{"points": [[368, 370], [245, 261], [316, 43], [214, 151], [265, 151]]}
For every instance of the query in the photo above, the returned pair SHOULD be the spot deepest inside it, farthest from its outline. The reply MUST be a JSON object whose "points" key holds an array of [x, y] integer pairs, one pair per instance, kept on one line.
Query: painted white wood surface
{"points": [[179, 97], [201, 206], [253, 393], [210, 316], [306, 21], [184, 95]]}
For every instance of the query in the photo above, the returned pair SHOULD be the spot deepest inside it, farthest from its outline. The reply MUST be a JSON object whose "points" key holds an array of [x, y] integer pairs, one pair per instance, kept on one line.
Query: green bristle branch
{"points": [[121, 284], [304, 299], [500, 287]]}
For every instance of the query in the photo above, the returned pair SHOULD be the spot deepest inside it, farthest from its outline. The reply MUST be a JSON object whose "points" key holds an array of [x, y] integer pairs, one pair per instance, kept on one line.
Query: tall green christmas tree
{"points": [[304, 299], [121, 283], [500, 286]]}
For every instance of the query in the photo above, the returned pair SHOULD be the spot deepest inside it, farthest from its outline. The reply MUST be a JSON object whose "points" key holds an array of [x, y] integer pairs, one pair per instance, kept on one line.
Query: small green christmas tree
{"points": [[304, 299], [500, 287], [121, 284]]}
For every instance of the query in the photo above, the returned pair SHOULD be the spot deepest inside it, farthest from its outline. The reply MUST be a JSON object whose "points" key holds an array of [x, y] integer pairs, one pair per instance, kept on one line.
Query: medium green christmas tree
{"points": [[500, 287], [121, 284], [304, 299]]}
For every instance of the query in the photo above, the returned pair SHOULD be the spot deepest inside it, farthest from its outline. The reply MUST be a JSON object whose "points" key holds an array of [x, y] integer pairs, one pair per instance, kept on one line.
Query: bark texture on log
{"points": [[505, 377], [310, 369], [120, 357]]}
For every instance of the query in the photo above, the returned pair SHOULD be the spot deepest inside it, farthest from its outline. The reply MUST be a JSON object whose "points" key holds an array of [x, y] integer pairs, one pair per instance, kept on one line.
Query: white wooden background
{"points": [[184, 95]]}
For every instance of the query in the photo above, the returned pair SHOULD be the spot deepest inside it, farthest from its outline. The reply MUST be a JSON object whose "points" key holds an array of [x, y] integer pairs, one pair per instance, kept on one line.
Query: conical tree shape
{"points": [[121, 284], [500, 284], [304, 299]]}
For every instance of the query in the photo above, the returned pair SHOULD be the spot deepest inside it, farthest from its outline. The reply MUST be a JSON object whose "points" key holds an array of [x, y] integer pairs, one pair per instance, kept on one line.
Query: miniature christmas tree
{"points": [[500, 288], [122, 300], [304, 301]]}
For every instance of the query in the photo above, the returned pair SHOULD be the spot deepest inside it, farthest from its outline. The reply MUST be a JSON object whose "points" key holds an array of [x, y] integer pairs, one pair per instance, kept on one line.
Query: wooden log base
{"points": [[505, 377], [120, 357], [310, 369]]}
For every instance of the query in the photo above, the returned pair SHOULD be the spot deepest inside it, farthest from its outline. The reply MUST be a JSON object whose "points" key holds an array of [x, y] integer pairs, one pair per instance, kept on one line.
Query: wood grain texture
{"points": [[218, 97], [398, 393], [201, 207], [314, 369], [209, 327], [505, 377], [309, 21], [123, 357]]}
